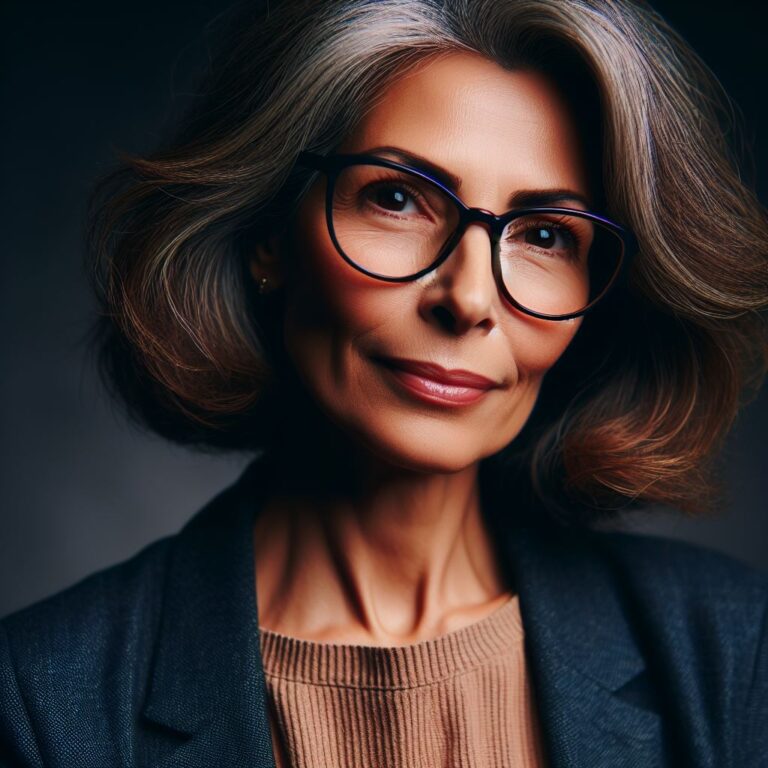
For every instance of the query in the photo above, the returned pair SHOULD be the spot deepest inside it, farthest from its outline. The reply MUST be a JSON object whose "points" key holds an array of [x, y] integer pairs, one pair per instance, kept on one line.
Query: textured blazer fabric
{"points": [[642, 651]]}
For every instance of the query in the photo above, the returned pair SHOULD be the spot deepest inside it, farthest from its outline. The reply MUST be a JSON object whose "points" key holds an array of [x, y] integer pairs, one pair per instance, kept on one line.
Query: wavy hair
{"points": [[635, 410]]}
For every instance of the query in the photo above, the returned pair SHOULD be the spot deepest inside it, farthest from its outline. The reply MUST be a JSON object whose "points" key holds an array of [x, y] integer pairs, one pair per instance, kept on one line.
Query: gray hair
{"points": [[170, 231]]}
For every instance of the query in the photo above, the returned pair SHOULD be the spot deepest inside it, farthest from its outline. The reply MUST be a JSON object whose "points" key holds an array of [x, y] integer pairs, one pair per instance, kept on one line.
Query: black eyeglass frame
{"points": [[332, 165]]}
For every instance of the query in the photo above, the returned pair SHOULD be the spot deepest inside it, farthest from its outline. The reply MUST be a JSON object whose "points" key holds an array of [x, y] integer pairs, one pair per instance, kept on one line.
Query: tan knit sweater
{"points": [[458, 700]]}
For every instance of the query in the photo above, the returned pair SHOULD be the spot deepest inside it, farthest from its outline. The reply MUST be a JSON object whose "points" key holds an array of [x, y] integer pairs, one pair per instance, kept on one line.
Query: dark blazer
{"points": [[642, 652]]}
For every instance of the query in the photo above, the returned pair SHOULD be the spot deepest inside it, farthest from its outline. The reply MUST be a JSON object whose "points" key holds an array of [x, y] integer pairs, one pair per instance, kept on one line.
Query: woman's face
{"points": [[500, 132]]}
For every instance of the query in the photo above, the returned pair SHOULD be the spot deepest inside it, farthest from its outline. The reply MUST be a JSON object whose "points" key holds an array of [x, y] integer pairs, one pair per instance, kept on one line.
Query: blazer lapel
{"points": [[207, 681], [582, 654]]}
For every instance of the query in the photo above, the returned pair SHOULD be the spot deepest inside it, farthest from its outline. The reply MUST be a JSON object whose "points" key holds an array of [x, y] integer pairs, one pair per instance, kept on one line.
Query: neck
{"points": [[351, 548]]}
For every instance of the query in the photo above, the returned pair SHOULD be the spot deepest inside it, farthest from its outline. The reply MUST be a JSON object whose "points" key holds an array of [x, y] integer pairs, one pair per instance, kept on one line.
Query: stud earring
{"points": [[263, 285]]}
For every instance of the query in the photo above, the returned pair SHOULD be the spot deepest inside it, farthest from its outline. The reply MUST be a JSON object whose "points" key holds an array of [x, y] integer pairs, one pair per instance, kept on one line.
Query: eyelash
{"points": [[558, 225]]}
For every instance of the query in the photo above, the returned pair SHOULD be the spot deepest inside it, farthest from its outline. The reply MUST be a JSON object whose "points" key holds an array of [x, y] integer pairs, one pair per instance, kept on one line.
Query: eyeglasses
{"points": [[397, 223]]}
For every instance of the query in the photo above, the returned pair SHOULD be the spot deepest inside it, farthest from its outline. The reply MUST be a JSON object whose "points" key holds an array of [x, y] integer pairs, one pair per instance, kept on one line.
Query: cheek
{"points": [[328, 297], [325, 288], [538, 344], [329, 305], [534, 346]]}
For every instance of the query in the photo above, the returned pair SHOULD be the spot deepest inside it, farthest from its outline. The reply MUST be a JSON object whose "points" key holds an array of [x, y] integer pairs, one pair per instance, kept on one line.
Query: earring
{"points": [[263, 285]]}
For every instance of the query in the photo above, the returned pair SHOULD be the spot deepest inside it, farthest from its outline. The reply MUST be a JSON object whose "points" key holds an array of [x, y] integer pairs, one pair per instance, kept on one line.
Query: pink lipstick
{"points": [[432, 383]]}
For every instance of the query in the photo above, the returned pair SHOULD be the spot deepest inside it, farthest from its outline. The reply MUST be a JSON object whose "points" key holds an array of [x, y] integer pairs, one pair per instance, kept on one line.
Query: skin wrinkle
{"points": [[405, 555]]}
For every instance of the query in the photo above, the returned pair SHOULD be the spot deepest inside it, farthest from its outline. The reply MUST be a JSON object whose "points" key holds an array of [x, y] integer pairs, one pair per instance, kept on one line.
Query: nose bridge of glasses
{"points": [[488, 220]]}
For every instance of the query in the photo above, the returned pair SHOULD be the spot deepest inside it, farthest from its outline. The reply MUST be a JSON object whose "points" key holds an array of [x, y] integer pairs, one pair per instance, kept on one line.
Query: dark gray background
{"points": [[80, 488]]}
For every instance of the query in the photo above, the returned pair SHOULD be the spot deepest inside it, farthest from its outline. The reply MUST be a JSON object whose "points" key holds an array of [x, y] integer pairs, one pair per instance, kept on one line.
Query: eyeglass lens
{"points": [[395, 224]]}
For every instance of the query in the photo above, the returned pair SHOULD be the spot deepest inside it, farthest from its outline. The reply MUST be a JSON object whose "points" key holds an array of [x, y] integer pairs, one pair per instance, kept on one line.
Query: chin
{"points": [[426, 445], [414, 437]]}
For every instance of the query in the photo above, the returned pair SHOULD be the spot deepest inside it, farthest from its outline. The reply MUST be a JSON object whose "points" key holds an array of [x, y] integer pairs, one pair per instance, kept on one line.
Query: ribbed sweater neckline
{"points": [[402, 666]]}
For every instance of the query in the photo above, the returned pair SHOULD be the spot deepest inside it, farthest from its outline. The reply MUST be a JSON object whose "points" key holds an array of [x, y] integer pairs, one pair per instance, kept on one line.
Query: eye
{"points": [[549, 237], [561, 237], [395, 198]]}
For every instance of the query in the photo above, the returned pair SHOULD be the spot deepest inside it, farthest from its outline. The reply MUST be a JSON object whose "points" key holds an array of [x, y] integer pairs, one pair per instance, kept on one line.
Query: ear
{"points": [[266, 261]]}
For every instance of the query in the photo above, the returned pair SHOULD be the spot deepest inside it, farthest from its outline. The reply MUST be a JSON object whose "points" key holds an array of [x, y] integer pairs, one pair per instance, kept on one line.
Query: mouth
{"points": [[429, 382]]}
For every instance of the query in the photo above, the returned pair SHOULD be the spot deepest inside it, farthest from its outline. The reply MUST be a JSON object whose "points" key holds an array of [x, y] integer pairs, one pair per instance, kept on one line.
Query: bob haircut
{"points": [[636, 409]]}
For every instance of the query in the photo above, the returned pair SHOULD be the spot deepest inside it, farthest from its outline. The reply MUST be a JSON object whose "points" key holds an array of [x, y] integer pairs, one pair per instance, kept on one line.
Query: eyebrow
{"points": [[519, 199]]}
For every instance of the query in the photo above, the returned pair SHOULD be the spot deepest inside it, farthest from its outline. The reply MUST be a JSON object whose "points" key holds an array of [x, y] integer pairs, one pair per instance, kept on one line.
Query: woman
{"points": [[470, 278]]}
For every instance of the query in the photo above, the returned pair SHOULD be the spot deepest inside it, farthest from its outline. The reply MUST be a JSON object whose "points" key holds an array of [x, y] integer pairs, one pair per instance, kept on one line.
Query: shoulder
{"points": [[700, 602], [80, 628], [59, 651], [114, 595], [81, 659], [684, 571], [677, 576], [690, 587], [121, 601]]}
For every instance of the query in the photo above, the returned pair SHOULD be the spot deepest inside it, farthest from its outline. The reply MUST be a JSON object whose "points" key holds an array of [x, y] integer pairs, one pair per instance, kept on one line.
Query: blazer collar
{"points": [[207, 680]]}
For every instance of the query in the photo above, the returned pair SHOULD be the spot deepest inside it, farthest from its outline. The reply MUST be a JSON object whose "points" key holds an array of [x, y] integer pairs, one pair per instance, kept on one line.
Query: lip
{"points": [[455, 377], [432, 383]]}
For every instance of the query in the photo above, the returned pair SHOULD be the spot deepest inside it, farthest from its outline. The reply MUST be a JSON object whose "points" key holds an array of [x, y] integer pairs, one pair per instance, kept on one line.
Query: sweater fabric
{"points": [[460, 699]]}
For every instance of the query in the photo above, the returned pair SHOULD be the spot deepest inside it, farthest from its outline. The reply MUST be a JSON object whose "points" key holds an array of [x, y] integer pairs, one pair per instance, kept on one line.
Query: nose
{"points": [[462, 292]]}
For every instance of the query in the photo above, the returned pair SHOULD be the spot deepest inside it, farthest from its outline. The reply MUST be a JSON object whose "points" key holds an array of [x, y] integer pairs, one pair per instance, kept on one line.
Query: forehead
{"points": [[497, 129]]}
